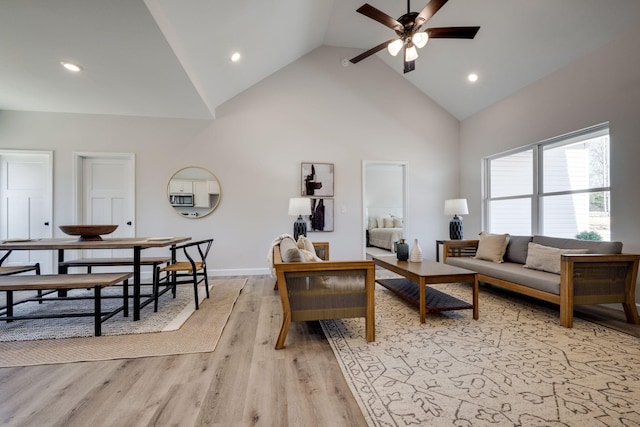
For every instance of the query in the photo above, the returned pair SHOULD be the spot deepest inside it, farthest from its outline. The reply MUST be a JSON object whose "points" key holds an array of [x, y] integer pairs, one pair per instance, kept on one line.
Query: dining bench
{"points": [[48, 282]]}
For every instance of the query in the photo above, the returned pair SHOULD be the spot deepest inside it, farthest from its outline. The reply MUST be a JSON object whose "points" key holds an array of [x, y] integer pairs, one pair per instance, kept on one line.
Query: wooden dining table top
{"points": [[105, 243]]}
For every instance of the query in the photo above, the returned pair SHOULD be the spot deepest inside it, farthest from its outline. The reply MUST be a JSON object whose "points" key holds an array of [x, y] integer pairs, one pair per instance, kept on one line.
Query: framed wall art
{"points": [[317, 180], [321, 218]]}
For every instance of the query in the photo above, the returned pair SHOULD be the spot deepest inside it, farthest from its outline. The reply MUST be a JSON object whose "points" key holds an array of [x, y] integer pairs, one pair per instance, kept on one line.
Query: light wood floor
{"points": [[244, 382]]}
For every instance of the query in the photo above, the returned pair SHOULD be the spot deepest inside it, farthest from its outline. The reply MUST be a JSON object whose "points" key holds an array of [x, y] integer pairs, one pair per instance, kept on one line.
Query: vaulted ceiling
{"points": [[170, 58]]}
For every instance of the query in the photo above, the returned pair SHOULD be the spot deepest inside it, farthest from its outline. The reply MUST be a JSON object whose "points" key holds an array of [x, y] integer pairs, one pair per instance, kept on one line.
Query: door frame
{"points": [[78, 181], [405, 197]]}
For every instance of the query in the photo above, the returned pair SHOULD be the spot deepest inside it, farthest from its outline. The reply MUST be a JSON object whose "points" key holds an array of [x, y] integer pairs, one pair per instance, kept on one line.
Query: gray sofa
{"points": [[601, 275]]}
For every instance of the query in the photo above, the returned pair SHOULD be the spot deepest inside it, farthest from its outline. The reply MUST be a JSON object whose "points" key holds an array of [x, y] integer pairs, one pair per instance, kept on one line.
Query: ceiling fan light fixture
{"points": [[411, 54], [420, 39], [395, 46]]}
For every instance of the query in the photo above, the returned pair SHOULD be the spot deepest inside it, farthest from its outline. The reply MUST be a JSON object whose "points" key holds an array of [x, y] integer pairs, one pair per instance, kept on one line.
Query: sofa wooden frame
{"points": [[584, 279], [313, 268]]}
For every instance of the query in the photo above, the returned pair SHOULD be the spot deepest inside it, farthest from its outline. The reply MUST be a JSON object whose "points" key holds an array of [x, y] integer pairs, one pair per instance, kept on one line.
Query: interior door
{"points": [[107, 196], [26, 203]]}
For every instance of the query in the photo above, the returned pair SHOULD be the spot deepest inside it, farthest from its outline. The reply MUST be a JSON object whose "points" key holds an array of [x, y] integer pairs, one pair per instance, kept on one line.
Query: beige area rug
{"points": [[199, 333], [172, 313], [515, 366]]}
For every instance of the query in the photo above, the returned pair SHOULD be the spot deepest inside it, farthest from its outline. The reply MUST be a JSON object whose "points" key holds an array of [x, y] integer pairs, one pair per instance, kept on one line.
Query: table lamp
{"points": [[455, 207], [299, 206]]}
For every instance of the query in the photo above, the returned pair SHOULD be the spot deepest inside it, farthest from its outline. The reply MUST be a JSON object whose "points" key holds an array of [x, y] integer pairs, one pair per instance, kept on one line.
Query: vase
{"points": [[416, 252], [402, 250]]}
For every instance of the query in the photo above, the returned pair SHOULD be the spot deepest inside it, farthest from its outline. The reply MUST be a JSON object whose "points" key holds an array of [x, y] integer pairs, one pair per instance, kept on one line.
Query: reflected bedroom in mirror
{"points": [[193, 192], [384, 203]]}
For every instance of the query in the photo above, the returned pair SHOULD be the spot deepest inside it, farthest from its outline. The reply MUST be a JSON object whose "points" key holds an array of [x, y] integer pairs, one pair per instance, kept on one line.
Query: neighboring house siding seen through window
{"points": [[559, 187]]}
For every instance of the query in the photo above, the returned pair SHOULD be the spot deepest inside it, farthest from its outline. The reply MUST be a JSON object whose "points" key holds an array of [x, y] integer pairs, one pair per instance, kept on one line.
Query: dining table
{"points": [[60, 245]]}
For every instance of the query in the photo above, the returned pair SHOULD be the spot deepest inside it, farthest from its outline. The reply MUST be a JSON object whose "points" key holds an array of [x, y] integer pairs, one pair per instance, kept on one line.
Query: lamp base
{"points": [[299, 228], [455, 228]]}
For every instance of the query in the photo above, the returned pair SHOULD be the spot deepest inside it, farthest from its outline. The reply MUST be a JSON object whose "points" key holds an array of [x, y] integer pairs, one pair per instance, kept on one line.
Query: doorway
{"points": [[26, 203], [384, 195], [105, 193]]}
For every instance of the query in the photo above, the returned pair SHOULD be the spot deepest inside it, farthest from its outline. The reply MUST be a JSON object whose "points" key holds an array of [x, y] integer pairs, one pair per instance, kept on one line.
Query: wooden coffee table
{"points": [[417, 275]]}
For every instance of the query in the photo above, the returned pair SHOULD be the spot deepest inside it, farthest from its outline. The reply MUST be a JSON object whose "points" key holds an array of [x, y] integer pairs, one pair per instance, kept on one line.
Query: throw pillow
{"points": [[388, 222], [491, 247], [289, 251], [310, 256], [381, 220], [397, 222], [306, 244], [373, 222], [546, 258]]}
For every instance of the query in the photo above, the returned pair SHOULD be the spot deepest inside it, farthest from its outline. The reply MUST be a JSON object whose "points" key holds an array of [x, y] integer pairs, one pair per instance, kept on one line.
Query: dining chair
{"points": [[190, 269]]}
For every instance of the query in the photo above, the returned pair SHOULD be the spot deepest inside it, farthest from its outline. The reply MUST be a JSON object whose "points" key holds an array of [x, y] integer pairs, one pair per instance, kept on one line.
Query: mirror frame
{"points": [[198, 174]]}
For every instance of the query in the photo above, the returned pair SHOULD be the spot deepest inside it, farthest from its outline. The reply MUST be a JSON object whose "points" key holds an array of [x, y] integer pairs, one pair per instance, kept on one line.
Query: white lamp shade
{"points": [[456, 207], [420, 39], [395, 46], [299, 206], [411, 54]]}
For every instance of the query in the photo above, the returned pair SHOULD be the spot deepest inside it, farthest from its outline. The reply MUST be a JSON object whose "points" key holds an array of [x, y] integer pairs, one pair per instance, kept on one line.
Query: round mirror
{"points": [[194, 192]]}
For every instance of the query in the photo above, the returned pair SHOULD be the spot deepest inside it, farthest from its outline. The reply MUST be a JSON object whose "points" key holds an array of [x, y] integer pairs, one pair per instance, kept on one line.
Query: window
{"points": [[558, 187]]}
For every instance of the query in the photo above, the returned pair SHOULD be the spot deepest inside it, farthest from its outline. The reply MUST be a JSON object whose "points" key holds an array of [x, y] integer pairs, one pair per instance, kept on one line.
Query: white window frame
{"points": [[537, 194]]}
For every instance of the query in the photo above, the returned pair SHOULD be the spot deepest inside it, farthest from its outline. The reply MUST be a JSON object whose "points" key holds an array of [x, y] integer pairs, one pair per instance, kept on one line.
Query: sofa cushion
{"points": [[511, 272], [491, 247], [289, 251], [517, 249], [546, 258], [594, 247]]}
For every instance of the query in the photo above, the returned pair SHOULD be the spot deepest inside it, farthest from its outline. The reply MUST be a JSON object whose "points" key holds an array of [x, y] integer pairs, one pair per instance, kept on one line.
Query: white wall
{"points": [[384, 186], [602, 86], [314, 110]]}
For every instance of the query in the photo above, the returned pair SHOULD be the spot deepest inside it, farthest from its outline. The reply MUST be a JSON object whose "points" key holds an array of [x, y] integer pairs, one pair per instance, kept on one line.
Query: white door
{"points": [[26, 203], [108, 196]]}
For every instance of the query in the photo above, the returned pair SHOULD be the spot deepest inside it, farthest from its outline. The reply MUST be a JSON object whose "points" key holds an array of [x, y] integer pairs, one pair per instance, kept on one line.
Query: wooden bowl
{"points": [[88, 231]]}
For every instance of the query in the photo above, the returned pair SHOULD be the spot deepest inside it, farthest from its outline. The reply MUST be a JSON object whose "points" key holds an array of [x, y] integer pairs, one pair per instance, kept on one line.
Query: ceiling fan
{"points": [[410, 35]]}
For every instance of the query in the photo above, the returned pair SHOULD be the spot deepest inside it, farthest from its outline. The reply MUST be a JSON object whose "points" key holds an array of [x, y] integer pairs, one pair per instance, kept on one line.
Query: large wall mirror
{"points": [[194, 192]]}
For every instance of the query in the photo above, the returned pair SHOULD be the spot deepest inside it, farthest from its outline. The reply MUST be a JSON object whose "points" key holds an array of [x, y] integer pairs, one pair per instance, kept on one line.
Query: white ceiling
{"points": [[170, 58]]}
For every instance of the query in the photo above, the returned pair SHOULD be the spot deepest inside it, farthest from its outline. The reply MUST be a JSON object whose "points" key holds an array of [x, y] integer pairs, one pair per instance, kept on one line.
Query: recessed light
{"points": [[235, 57], [71, 66], [473, 77]]}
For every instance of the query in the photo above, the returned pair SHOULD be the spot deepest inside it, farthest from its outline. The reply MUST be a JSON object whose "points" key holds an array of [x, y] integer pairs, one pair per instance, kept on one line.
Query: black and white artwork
{"points": [[317, 179], [321, 218]]}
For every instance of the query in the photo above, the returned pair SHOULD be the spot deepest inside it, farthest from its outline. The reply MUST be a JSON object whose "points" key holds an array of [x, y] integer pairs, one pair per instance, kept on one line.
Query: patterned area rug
{"points": [[172, 313], [199, 333], [515, 366]]}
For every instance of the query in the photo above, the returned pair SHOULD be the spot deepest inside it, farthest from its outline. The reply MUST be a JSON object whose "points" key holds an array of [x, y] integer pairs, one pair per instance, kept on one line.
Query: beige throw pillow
{"points": [[310, 256], [306, 244], [492, 247], [388, 222], [289, 251], [546, 258]]}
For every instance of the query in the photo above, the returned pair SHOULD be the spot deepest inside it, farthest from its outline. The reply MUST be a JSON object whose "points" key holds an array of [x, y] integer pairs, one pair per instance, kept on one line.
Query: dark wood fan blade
{"points": [[370, 52], [429, 10], [452, 32], [378, 15]]}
